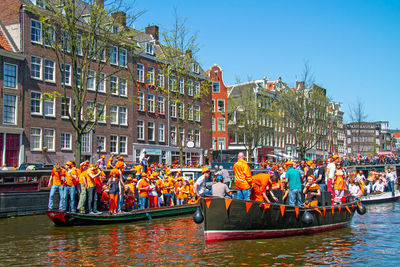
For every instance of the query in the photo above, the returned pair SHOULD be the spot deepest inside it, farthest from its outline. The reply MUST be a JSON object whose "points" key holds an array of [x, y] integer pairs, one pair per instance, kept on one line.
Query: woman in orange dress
{"points": [[340, 183]]}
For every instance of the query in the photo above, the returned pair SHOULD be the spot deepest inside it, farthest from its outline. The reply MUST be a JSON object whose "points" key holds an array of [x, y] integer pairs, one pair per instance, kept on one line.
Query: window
{"points": [[65, 107], [86, 144], [40, 3], [197, 113], [221, 143], [123, 145], [160, 78], [190, 111], [182, 86], [150, 131], [197, 89], [115, 29], [49, 106], [197, 138], [161, 137], [150, 103], [114, 115], [9, 109], [36, 67], [78, 77], [36, 139], [173, 135], [182, 135], [113, 144], [172, 109], [190, 88], [48, 139], [140, 73], [172, 84], [101, 87], [213, 124], [101, 143], [122, 87], [214, 143], [123, 118], [181, 111], [122, 57], [66, 74], [49, 71], [64, 40], [65, 141], [213, 105], [221, 106], [10, 76], [149, 48], [114, 55], [150, 75], [90, 80], [215, 87], [140, 130], [101, 113], [140, 101], [90, 112], [194, 67], [36, 103], [161, 105], [113, 84], [36, 31], [221, 125], [79, 44]]}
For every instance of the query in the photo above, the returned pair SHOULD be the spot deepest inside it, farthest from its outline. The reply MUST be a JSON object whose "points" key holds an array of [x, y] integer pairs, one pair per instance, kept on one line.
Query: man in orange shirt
{"points": [[56, 183], [110, 164], [71, 176], [143, 187], [261, 184], [243, 177], [166, 190]]}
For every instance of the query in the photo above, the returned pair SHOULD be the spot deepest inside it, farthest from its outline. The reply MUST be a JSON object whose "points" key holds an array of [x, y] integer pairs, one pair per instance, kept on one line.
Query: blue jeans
{"points": [[71, 191], [53, 190], [159, 199], [295, 197], [143, 203], [391, 187], [92, 199], [120, 202], [179, 201], [322, 187], [243, 194], [206, 193]]}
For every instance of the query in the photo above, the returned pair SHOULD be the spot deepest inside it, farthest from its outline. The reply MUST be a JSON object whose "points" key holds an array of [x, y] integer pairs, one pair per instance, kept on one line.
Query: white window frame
{"points": [[161, 132], [182, 86], [40, 30], [123, 54], [197, 113], [104, 146], [114, 54], [219, 89], [172, 109], [160, 78], [197, 143], [124, 123], [69, 141], [218, 108], [151, 103], [40, 104], [221, 129], [53, 137], [53, 103], [39, 65], [15, 109], [181, 110], [53, 73], [114, 121], [91, 80], [116, 144], [161, 105], [153, 137], [221, 140], [190, 111], [16, 75], [150, 75], [197, 89], [69, 101], [149, 48], [140, 72], [190, 88], [63, 67], [101, 119], [141, 137], [114, 89], [141, 98], [39, 137], [102, 83], [123, 86], [125, 146]]}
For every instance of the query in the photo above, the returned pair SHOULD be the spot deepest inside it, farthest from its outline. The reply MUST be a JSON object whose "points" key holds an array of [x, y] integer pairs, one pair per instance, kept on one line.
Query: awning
{"points": [[385, 153]]}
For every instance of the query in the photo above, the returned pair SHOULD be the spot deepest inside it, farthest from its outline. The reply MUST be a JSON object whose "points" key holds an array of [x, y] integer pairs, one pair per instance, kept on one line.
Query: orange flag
{"points": [[324, 210], [339, 208], [358, 204], [228, 202], [208, 202], [317, 209], [347, 208], [248, 206], [296, 209], [266, 206], [333, 210], [282, 209]]}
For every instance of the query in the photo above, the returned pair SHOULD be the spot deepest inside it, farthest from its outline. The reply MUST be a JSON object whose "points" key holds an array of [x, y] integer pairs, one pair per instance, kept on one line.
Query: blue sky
{"points": [[352, 46]]}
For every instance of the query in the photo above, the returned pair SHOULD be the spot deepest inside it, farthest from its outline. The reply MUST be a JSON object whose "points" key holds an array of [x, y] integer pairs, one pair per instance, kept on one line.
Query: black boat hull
{"points": [[238, 219]]}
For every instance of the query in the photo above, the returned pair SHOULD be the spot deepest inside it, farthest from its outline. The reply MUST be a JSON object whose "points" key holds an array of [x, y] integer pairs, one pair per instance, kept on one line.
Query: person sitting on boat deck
{"points": [[56, 182], [379, 186], [340, 183], [110, 162], [262, 185], [200, 184], [115, 185], [220, 189], [391, 176], [243, 178], [82, 187], [71, 175], [93, 172], [354, 188], [293, 178], [225, 174], [144, 187], [311, 191]]}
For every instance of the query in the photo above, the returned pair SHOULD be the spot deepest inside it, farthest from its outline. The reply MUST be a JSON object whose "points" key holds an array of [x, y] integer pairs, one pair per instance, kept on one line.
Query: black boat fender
{"points": [[198, 216], [307, 218], [361, 209]]}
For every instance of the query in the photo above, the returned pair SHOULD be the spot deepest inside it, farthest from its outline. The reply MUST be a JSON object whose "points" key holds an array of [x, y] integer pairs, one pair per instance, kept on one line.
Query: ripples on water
{"points": [[34, 240]]}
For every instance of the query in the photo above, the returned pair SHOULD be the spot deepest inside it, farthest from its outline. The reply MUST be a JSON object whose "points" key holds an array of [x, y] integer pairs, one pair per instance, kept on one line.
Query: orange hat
{"points": [[289, 163], [69, 163], [204, 170], [134, 180], [309, 163], [143, 174], [85, 163], [335, 156], [191, 182], [114, 171], [312, 176], [103, 156], [119, 165]]}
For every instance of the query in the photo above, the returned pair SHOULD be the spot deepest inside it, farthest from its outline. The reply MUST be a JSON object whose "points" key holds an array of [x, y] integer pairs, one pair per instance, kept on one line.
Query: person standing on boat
{"points": [[144, 187], [56, 183], [83, 176], [93, 173], [110, 162], [340, 184], [102, 162], [243, 179], [71, 176], [293, 177], [391, 177], [331, 168], [320, 174], [114, 184], [200, 184]]}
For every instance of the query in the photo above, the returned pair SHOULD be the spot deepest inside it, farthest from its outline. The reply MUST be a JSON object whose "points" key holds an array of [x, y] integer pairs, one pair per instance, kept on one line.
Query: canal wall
{"points": [[17, 204]]}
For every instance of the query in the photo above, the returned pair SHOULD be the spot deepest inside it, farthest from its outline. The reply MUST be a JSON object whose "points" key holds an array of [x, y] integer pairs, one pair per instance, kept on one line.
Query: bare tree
{"points": [[358, 116]]}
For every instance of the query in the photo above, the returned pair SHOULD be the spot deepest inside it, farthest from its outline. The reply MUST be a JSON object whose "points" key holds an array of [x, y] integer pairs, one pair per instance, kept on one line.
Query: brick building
{"points": [[137, 115]]}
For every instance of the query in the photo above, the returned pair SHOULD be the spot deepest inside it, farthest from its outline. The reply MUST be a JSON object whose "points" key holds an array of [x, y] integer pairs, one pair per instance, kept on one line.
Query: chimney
{"points": [[99, 3], [153, 30], [119, 17]]}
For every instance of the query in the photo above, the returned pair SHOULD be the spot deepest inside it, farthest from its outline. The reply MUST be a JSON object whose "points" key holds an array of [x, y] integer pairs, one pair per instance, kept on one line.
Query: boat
{"points": [[380, 198], [231, 219], [77, 219]]}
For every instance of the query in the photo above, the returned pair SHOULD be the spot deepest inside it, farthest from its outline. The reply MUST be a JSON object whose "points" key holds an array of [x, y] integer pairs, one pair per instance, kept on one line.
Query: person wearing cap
{"points": [[167, 187], [56, 182], [243, 179], [144, 160], [92, 173], [311, 192], [129, 193], [82, 187], [200, 184], [293, 178], [331, 168], [225, 174], [71, 175], [102, 162], [110, 162], [339, 183], [144, 187], [220, 189]]}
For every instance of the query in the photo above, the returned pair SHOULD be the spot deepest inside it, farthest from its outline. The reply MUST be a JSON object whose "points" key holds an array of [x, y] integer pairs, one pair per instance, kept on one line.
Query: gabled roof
{"points": [[6, 42]]}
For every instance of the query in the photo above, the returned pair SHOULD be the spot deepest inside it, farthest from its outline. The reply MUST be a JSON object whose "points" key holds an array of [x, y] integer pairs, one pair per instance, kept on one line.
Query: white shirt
{"points": [[354, 190], [379, 187], [360, 178], [331, 170], [201, 184], [391, 176]]}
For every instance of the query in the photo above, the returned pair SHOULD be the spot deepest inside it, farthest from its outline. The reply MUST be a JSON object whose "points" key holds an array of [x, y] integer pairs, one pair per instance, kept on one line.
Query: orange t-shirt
{"points": [[70, 180], [91, 181], [57, 176], [159, 185], [141, 185], [167, 187], [339, 182], [138, 169], [109, 163], [260, 183], [242, 175], [82, 176], [191, 191], [132, 188]]}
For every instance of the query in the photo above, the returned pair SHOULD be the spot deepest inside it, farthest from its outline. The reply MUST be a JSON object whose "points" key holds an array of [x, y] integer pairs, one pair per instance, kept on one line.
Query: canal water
{"points": [[371, 239]]}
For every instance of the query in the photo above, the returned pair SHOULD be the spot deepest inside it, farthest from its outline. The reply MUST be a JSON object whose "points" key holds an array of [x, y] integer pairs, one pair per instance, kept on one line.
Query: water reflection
{"points": [[178, 241]]}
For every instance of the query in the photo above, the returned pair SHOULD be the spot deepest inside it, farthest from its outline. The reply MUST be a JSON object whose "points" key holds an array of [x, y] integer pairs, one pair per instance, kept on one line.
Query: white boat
{"points": [[380, 198]]}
